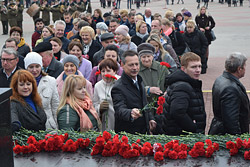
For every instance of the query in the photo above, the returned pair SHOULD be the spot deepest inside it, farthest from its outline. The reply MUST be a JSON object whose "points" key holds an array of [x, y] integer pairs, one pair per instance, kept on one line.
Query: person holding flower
{"points": [[76, 110], [153, 74], [102, 93]]}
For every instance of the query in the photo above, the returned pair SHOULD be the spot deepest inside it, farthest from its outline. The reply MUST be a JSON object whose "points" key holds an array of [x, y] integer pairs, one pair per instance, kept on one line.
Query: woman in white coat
{"points": [[46, 88]]}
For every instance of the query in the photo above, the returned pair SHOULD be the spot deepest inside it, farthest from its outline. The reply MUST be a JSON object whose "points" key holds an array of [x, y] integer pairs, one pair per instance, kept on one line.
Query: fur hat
{"points": [[122, 29], [71, 58], [32, 58]]}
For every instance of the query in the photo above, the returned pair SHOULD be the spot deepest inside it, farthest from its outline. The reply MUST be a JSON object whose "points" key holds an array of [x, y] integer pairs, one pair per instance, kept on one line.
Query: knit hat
{"points": [[42, 47], [145, 48], [122, 29], [107, 36], [32, 58], [71, 58], [187, 13], [102, 26]]}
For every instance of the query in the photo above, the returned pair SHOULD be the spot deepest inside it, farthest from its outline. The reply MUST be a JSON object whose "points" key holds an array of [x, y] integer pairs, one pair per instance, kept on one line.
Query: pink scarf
{"points": [[168, 32], [79, 107]]}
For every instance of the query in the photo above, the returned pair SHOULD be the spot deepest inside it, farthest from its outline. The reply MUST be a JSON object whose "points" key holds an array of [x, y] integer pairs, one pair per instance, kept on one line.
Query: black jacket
{"points": [[184, 107], [26, 117], [4, 81], [231, 104], [178, 42], [55, 68], [126, 96], [95, 47]]}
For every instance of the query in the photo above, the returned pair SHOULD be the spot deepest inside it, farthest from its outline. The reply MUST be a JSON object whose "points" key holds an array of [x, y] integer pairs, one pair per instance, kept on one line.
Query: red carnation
{"points": [[70, 146], [182, 154], [169, 145], [31, 140], [173, 155], [184, 147], [58, 142], [209, 151], [145, 151], [247, 155], [165, 64], [49, 146], [208, 142], [176, 147], [66, 135], [25, 149], [138, 140], [216, 146], [159, 110], [182, 32], [98, 72], [233, 151], [239, 143], [230, 145], [161, 100], [18, 149], [193, 153], [113, 77], [166, 151], [106, 135], [159, 156], [32, 148], [100, 141], [125, 139]]}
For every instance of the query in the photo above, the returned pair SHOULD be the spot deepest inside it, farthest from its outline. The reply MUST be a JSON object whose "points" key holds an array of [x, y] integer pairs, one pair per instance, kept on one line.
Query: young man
{"points": [[184, 107], [69, 25], [38, 31]]}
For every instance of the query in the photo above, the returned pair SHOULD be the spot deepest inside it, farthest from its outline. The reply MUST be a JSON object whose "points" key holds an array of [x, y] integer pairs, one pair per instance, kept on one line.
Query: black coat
{"points": [[178, 42], [184, 107], [26, 117], [55, 68], [231, 104], [136, 39], [95, 47], [4, 81], [126, 96], [203, 21]]}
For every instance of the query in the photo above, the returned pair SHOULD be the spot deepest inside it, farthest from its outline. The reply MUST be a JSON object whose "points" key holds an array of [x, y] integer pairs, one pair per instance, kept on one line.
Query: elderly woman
{"points": [[111, 51], [123, 39], [205, 23], [74, 30], [26, 104], [71, 65], [102, 95], [90, 45], [141, 31], [76, 110], [197, 42], [101, 28], [85, 66], [160, 54], [46, 32], [153, 74], [23, 48], [46, 86], [57, 48]]}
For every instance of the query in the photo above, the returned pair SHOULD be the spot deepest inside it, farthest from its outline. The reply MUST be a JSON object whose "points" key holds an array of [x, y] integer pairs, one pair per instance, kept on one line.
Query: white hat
{"points": [[32, 58]]}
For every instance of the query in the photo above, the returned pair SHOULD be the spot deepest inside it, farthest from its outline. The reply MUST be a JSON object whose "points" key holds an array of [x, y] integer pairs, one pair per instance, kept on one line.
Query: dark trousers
{"points": [[129, 3], [20, 24], [5, 27], [118, 4]]}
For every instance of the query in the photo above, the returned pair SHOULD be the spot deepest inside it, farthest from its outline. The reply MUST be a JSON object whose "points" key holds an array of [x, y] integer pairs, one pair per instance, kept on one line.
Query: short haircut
{"points": [[18, 29], [166, 22], [11, 40], [126, 54], [9, 51], [59, 22], [76, 20], [157, 15], [88, 29], [57, 40], [115, 20], [130, 15], [139, 24], [108, 63], [38, 20], [66, 13], [234, 61], [113, 48], [190, 23], [82, 23], [158, 21], [188, 57]]}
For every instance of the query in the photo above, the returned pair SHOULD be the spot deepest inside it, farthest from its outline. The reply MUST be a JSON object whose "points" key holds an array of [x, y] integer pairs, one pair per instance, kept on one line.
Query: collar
{"points": [[10, 73]]}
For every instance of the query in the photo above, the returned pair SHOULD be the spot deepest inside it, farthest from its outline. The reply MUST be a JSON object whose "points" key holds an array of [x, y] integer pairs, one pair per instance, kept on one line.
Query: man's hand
{"points": [[152, 125], [104, 106], [155, 90], [135, 113]]}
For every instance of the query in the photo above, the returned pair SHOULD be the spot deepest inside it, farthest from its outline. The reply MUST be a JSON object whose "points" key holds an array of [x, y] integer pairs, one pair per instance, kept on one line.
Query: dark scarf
{"points": [[38, 79]]}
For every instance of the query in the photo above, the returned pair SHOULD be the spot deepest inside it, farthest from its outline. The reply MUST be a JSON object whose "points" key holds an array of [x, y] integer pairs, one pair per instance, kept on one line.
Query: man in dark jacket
{"points": [[130, 23], [230, 100], [129, 97], [38, 31], [184, 107], [50, 65]]}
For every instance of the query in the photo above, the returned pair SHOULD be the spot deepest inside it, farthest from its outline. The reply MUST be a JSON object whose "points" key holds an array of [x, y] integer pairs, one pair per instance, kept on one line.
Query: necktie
{"points": [[137, 85]]}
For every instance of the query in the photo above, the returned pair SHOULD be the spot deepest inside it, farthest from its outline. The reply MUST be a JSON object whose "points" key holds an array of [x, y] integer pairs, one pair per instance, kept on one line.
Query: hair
{"points": [[138, 16], [82, 23], [76, 20], [99, 12], [66, 13], [60, 22], [190, 23], [115, 20], [234, 61], [139, 24], [157, 15], [188, 57], [88, 29], [57, 40], [38, 20], [68, 90], [132, 10], [166, 22], [156, 38], [113, 48], [130, 15], [158, 20], [75, 42], [50, 29], [206, 13], [127, 53], [123, 12], [108, 63], [168, 14], [23, 76], [155, 31], [11, 40], [18, 29], [10, 51], [76, 14]]}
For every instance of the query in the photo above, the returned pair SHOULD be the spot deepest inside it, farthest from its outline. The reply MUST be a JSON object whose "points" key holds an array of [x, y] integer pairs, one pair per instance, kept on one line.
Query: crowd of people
{"points": [[98, 72]]}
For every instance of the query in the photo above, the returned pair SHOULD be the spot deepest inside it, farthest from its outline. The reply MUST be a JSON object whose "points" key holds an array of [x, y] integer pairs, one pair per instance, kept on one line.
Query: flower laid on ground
{"points": [[241, 145]]}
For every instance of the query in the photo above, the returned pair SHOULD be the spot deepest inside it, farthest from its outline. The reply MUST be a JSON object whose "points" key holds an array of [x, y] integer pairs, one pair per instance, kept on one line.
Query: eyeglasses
{"points": [[8, 60]]}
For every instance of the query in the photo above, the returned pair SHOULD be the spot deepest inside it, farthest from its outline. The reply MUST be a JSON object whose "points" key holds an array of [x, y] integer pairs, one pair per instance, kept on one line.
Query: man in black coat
{"points": [[50, 65], [129, 97], [184, 108], [230, 100]]}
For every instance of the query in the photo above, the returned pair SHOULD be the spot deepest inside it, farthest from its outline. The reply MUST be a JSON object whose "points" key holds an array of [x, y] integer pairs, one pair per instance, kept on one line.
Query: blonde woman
{"points": [[141, 31], [123, 39], [90, 45], [75, 109]]}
